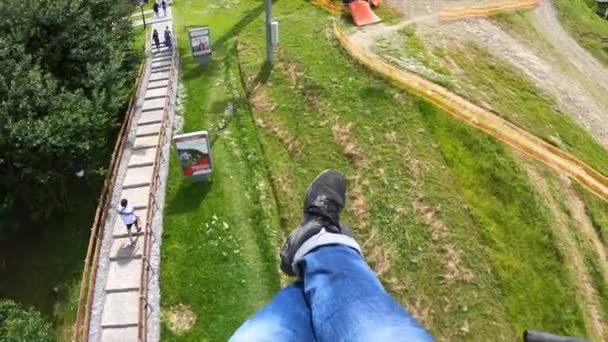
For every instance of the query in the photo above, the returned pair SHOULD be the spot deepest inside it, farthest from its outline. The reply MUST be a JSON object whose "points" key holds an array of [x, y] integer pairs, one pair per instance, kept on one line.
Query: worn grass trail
{"points": [[219, 251]]}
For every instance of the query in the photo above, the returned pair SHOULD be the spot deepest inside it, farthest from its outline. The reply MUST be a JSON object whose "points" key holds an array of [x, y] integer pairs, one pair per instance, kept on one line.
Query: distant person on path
{"points": [[155, 8], [156, 39], [164, 5], [127, 213], [337, 296], [168, 41]]}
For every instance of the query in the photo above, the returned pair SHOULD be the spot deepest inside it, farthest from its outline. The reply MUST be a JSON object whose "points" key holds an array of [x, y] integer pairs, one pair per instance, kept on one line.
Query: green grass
{"points": [[597, 210], [219, 247], [140, 35], [580, 20], [493, 218], [42, 268], [519, 278]]}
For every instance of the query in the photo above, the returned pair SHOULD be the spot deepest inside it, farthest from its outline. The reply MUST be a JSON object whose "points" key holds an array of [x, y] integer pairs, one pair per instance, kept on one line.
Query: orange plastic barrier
{"points": [[450, 14], [362, 13], [360, 10]]}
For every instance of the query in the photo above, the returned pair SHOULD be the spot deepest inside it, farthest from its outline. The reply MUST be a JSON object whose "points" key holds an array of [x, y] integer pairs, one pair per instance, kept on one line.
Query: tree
{"points": [[20, 325], [66, 69]]}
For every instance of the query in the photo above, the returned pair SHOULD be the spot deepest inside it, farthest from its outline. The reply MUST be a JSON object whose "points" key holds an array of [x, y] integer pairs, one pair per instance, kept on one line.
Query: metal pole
{"points": [[269, 52], [142, 16]]}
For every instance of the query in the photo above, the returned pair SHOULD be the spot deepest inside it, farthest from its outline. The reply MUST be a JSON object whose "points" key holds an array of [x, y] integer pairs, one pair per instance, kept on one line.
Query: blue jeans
{"points": [[338, 299]]}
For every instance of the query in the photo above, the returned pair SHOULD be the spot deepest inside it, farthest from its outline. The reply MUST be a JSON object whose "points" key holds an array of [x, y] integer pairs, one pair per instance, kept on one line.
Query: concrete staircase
{"points": [[121, 308]]}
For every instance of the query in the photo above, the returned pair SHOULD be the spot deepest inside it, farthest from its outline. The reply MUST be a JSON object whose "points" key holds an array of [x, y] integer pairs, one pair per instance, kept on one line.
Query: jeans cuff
{"points": [[323, 238]]}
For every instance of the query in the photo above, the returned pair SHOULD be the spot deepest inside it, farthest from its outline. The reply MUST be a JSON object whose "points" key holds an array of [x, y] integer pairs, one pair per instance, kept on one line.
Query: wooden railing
{"points": [[89, 273]]}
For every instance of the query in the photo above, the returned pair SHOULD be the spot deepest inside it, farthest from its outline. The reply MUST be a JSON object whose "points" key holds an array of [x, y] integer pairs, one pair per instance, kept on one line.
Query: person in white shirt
{"points": [[127, 213]]}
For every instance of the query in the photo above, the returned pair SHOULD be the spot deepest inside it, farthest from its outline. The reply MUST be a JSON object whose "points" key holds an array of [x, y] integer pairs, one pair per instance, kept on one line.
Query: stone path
{"points": [[160, 19], [116, 305]]}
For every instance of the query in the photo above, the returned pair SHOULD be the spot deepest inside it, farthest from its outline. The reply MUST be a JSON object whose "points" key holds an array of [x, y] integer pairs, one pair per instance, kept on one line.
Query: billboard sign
{"points": [[194, 154], [200, 41]]}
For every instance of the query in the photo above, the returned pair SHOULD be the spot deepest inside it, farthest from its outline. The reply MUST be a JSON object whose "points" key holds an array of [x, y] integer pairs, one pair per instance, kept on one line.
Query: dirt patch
{"points": [[454, 266], [260, 101], [179, 318], [290, 68], [358, 201], [377, 255], [574, 260], [282, 134], [342, 132], [345, 138], [421, 311], [583, 222]]}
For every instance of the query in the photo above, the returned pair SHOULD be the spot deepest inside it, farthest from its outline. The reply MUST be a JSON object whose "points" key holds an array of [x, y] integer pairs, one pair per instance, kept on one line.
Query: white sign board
{"points": [[194, 153], [200, 41]]}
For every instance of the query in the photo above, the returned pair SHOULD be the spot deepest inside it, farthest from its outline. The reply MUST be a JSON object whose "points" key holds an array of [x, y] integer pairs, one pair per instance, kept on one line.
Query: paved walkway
{"points": [[116, 308]]}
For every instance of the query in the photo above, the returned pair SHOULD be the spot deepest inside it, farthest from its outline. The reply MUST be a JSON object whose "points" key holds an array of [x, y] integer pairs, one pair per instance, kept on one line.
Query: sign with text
{"points": [[200, 41], [194, 154]]}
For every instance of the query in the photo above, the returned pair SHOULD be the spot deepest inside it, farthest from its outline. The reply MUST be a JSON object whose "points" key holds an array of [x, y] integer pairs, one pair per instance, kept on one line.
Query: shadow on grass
{"points": [[189, 197], [263, 75]]}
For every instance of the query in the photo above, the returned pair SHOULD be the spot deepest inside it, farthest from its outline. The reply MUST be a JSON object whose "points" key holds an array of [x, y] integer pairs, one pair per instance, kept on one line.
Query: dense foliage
{"points": [[66, 69], [20, 325]]}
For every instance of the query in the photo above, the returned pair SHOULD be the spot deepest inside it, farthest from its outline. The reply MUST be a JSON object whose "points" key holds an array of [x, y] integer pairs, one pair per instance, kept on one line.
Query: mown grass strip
{"points": [[218, 254]]}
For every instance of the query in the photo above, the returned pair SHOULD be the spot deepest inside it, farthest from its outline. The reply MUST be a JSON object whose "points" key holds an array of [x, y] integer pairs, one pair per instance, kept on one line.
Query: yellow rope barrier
{"points": [[451, 14]]}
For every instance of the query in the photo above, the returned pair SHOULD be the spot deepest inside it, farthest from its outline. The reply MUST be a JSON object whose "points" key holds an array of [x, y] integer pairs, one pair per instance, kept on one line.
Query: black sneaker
{"points": [[325, 197], [322, 206]]}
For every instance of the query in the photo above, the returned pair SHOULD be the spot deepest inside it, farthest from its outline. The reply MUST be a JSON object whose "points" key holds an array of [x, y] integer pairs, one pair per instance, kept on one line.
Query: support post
{"points": [[269, 51], [142, 16]]}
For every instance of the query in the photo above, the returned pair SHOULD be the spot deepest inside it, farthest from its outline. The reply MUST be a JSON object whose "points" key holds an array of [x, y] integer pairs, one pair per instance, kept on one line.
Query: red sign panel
{"points": [[194, 153]]}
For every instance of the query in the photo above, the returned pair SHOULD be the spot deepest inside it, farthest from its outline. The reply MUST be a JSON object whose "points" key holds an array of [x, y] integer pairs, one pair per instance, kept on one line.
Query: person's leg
{"points": [[286, 318], [348, 302], [130, 235], [137, 224]]}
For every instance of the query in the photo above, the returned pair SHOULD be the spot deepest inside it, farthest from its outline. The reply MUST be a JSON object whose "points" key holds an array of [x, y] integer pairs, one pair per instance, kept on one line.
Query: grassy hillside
{"points": [[447, 216], [495, 85]]}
